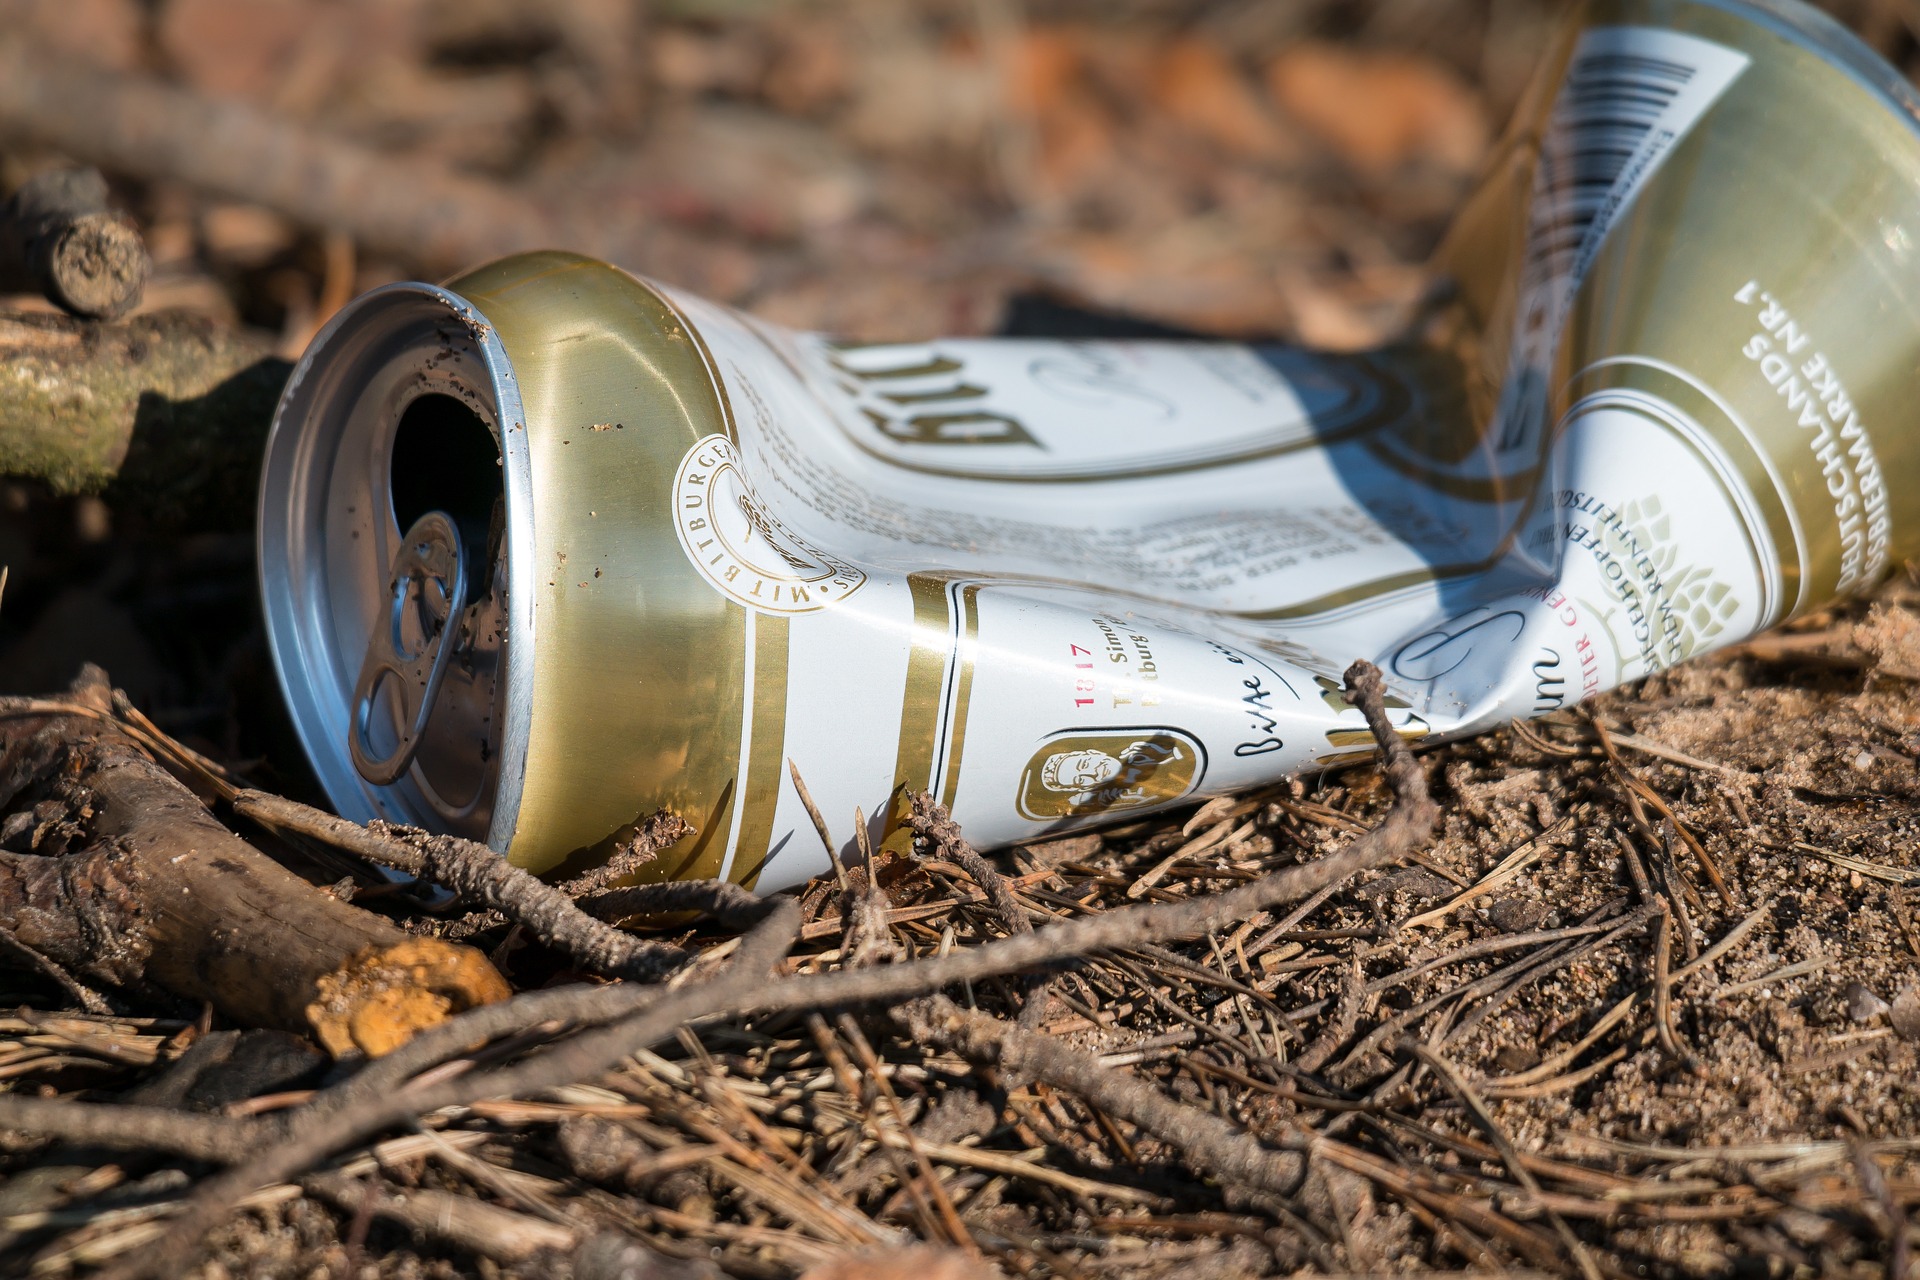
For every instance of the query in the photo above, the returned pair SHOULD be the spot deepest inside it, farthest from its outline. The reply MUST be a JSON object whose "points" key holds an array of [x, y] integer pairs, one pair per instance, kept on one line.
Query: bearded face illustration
{"points": [[1087, 773], [1078, 771], [1089, 778]]}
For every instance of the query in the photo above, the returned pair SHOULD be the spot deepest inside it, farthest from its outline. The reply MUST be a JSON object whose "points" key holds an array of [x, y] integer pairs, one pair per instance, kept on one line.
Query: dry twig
{"points": [[932, 823], [482, 878], [1209, 1144]]}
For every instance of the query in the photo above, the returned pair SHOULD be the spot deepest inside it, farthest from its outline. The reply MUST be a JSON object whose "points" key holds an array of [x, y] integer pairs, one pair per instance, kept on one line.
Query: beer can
{"points": [[550, 546]]}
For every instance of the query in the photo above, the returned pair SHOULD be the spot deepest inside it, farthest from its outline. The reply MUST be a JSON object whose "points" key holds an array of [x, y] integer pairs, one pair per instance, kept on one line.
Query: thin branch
{"points": [[473, 1225], [729, 905], [1663, 986], [933, 823], [480, 876], [1209, 1145], [1409, 822], [85, 996], [641, 849], [222, 1139], [1339, 1028], [819, 823], [148, 128], [1638, 790], [319, 1132], [1405, 826]]}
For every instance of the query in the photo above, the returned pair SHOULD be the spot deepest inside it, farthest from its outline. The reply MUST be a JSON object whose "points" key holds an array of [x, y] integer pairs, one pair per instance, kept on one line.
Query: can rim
{"points": [[298, 653], [1846, 51]]}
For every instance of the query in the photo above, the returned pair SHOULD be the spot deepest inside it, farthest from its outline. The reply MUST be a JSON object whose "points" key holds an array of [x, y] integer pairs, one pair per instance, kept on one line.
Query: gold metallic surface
{"points": [[968, 654], [765, 766], [638, 663], [920, 701]]}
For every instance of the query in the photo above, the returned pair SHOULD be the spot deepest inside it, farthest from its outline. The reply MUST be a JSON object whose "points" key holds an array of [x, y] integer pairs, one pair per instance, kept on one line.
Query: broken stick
{"points": [[58, 238], [480, 877], [116, 872]]}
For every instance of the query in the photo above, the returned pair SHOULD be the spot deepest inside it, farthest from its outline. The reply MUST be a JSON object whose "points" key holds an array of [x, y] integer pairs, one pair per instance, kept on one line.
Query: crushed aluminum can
{"points": [[551, 547]]}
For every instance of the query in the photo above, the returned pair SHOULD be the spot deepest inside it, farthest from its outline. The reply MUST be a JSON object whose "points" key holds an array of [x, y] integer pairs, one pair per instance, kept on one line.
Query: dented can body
{"points": [[551, 546]]}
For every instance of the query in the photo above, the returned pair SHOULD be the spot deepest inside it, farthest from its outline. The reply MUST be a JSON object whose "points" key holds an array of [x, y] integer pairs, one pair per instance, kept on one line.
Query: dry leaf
{"points": [[810, 69], [919, 98], [1047, 67], [1380, 110], [1198, 85], [1075, 135], [293, 56], [731, 61], [244, 235]]}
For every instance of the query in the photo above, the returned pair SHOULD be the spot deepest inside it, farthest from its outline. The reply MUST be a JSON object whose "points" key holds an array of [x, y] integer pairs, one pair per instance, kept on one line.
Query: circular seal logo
{"points": [[741, 547]]}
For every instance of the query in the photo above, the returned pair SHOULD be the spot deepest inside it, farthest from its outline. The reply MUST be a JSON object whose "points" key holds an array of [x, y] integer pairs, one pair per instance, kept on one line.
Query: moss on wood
{"points": [[167, 414]]}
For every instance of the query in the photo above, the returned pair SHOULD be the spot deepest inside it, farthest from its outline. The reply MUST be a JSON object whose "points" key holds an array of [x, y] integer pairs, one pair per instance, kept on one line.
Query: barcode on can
{"points": [[1630, 95]]}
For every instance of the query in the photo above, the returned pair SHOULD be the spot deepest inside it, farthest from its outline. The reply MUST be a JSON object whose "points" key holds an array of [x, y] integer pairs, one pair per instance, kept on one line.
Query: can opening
{"points": [[395, 427], [444, 464], [446, 459]]}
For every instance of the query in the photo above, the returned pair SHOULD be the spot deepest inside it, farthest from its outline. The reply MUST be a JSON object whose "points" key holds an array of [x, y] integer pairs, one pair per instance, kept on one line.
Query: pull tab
{"points": [[425, 589]]}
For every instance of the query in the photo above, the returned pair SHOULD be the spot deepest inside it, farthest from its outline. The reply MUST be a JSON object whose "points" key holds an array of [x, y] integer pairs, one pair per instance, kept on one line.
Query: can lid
{"points": [[395, 518]]}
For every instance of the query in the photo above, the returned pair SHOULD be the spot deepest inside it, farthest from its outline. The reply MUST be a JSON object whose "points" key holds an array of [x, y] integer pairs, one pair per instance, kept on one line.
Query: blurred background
{"points": [[881, 168]]}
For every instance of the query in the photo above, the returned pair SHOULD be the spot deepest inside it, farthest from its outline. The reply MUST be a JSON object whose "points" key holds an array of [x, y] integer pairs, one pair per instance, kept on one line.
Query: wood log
{"points": [[167, 414], [114, 870], [59, 239]]}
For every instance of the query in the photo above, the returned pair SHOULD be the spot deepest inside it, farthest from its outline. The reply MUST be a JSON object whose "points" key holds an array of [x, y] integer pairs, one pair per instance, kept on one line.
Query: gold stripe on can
{"points": [[920, 701], [763, 770]]}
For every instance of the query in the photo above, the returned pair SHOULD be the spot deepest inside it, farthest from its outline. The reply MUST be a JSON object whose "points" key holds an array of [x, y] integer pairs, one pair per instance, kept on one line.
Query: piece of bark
{"points": [[58, 238], [167, 414], [154, 891]]}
